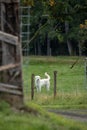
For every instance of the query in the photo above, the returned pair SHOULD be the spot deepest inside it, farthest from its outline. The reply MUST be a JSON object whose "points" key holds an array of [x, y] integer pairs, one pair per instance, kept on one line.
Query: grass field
{"points": [[71, 86], [40, 120], [71, 93]]}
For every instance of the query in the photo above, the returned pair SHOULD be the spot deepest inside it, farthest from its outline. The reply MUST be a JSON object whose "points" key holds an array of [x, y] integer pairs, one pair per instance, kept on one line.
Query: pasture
{"points": [[71, 85], [71, 93]]}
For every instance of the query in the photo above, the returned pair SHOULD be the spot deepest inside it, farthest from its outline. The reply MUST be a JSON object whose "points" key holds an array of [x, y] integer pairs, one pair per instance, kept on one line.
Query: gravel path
{"points": [[79, 115]]}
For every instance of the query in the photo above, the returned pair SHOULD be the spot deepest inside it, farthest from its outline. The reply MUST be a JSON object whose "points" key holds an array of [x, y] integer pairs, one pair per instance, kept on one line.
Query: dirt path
{"points": [[79, 115]]}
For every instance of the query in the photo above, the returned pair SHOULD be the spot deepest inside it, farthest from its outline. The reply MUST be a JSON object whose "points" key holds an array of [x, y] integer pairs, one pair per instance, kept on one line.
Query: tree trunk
{"points": [[80, 48], [35, 48], [38, 43], [70, 48], [48, 46], [39, 48]]}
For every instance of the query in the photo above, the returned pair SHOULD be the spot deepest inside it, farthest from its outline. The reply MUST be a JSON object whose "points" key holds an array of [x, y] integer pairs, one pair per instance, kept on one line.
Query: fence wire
{"points": [[67, 83]]}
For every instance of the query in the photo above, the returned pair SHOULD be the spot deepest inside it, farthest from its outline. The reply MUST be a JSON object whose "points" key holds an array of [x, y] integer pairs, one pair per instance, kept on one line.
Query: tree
{"points": [[82, 36], [59, 19]]}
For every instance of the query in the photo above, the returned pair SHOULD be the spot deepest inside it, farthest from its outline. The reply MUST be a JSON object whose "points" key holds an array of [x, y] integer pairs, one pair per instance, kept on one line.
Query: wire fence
{"points": [[68, 82], [74, 86]]}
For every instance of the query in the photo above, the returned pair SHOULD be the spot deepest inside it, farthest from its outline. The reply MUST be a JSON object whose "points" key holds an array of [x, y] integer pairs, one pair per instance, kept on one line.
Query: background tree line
{"points": [[58, 27]]}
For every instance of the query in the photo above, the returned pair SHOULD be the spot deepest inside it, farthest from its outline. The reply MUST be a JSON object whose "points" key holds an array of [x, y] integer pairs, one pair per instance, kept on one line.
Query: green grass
{"points": [[71, 93], [71, 86], [20, 120]]}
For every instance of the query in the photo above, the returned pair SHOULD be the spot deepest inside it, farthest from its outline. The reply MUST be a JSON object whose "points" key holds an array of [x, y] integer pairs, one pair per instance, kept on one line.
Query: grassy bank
{"points": [[41, 120]]}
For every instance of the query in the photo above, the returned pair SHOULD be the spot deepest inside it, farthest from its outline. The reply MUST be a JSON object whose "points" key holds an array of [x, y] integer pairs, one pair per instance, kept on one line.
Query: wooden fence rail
{"points": [[9, 66], [8, 38], [12, 89]]}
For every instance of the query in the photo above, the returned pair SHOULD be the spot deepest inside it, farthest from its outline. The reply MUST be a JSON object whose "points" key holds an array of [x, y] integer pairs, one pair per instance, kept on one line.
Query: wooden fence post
{"points": [[55, 83], [32, 86]]}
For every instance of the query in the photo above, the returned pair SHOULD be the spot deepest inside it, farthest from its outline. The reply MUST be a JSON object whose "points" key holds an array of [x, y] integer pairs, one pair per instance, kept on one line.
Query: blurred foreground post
{"points": [[32, 86], [11, 84], [55, 83]]}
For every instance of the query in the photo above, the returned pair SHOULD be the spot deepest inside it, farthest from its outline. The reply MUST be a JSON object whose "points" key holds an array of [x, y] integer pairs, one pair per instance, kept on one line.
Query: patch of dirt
{"points": [[79, 115]]}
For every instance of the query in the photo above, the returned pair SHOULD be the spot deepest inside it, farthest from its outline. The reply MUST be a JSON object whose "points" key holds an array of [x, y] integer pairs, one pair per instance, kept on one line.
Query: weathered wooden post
{"points": [[32, 86], [55, 83], [11, 85]]}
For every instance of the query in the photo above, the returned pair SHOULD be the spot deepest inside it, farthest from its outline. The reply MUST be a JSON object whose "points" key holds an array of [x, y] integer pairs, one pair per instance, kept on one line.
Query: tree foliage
{"points": [[54, 14]]}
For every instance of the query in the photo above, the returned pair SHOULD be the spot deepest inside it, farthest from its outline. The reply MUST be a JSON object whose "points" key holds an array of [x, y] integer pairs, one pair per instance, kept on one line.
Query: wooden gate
{"points": [[11, 87]]}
